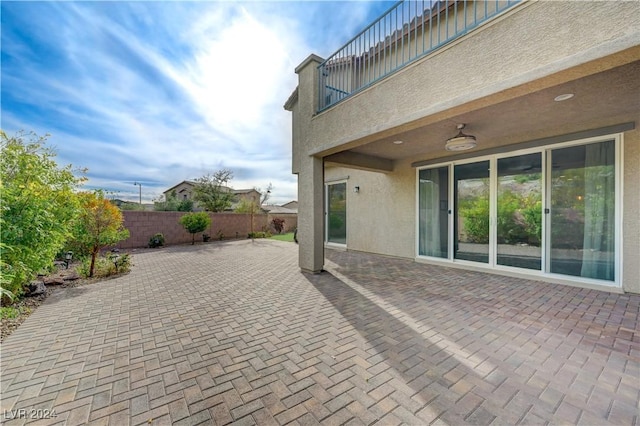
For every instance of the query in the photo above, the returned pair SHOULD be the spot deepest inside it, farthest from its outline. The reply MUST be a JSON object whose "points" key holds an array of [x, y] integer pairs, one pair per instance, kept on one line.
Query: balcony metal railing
{"points": [[406, 32]]}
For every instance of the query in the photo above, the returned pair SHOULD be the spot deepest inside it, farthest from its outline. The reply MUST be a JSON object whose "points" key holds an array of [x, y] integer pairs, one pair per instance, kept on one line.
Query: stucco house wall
{"points": [[491, 76], [381, 215]]}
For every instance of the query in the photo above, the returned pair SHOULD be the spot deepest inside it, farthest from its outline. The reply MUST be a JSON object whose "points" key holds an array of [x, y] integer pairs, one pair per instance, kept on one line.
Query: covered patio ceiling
{"points": [[600, 99]]}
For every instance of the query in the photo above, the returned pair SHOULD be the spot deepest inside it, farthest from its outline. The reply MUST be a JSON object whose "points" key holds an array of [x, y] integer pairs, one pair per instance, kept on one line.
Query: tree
{"points": [[266, 194], [37, 210], [99, 225], [211, 192], [248, 207], [194, 223], [171, 203]]}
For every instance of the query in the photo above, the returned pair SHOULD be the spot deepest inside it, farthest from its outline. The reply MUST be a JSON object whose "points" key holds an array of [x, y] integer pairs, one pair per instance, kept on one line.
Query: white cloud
{"points": [[163, 92]]}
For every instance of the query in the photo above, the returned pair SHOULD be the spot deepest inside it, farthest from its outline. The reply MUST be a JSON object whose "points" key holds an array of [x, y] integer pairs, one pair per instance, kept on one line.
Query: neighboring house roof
{"points": [[243, 191], [291, 205], [188, 182], [279, 210], [193, 183]]}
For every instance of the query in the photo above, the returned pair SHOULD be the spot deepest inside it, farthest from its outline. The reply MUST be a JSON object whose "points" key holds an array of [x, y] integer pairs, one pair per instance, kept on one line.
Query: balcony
{"points": [[406, 32]]}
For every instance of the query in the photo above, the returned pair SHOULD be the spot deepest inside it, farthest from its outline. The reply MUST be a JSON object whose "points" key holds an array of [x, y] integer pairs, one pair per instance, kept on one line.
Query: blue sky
{"points": [[160, 92]]}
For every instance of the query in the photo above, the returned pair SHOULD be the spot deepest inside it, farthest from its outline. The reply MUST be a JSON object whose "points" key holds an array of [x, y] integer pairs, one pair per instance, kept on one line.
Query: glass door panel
{"points": [[471, 220], [519, 220], [337, 213], [433, 214], [583, 211]]}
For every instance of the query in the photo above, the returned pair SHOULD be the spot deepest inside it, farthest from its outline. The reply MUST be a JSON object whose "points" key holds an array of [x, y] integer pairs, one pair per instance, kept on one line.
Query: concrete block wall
{"points": [[142, 225]]}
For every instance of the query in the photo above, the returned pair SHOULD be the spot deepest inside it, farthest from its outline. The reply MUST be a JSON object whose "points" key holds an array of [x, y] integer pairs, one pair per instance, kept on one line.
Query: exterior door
{"points": [[519, 211], [336, 214], [554, 210], [471, 219]]}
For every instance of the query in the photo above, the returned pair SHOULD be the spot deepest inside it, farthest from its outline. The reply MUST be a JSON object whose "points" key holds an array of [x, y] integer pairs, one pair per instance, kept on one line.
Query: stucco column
{"points": [[311, 214]]}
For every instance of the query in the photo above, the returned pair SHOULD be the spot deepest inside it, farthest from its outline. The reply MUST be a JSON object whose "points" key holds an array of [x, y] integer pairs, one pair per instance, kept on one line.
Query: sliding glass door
{"points": [[552, 210], [471, 219], [336, 225], [433, 212], [519, 211], [583, 211]]}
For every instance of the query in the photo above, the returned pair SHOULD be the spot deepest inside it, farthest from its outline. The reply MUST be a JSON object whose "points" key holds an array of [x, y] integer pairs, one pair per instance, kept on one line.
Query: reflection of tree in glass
{"points": [[473, 209]]}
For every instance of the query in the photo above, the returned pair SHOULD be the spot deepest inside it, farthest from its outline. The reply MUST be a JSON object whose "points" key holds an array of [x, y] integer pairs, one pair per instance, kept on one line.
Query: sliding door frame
{"points": [[545, 243]]}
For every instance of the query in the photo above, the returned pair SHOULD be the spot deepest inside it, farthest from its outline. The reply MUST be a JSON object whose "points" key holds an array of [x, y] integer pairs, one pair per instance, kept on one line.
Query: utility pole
{"points": [[140, 185]]}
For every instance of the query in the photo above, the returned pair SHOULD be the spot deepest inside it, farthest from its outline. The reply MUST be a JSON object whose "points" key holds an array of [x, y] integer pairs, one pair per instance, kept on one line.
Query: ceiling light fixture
{"points": [[398, 142], [563, 97], [460, 142]]}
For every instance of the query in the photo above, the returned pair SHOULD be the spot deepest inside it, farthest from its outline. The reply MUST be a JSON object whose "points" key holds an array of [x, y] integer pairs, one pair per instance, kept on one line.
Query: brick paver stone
{"points": [[233, 332]]}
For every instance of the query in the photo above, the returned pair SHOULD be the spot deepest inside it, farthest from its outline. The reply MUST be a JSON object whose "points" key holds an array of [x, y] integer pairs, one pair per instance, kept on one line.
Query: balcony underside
{"points": [[524, 113]]}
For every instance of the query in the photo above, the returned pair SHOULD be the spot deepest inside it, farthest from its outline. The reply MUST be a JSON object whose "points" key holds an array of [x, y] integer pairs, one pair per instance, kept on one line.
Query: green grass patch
{"points": [[9, 312], [283, 237]]}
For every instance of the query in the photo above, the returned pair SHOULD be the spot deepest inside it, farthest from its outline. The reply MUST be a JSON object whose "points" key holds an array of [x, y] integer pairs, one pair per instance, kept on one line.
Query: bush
{"points": [[278, 224], [156, 241], [260, 234], [475, 220], [38, 208]]}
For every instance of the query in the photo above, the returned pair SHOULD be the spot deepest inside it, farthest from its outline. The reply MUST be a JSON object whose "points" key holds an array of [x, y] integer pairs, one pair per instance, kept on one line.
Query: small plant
{"points": [[206, 237], [9, 312], [260, 234], [194, 223], [6, 295], [220, 235], [278, 224], [106, 266], [156, 241]]}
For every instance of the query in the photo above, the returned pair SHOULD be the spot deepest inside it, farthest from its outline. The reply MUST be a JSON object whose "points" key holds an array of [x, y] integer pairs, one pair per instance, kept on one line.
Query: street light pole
{"points": [[140, 185]]}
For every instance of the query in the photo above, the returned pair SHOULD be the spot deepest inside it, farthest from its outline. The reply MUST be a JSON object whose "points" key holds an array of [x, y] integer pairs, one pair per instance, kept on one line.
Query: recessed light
{"points": [[563, 97], [398, 142]]}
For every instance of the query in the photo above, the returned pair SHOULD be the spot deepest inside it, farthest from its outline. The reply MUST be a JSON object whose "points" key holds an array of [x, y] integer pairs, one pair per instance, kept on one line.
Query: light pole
{"points": [[140, 185]]}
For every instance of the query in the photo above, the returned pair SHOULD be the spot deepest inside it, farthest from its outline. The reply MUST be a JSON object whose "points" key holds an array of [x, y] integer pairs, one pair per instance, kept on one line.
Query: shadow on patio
{"points": [[478, 348]]}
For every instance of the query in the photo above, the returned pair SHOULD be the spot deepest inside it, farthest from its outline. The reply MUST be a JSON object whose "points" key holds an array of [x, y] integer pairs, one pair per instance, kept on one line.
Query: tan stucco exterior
{"points": [[631, 212], [501, 79], [381, 216]]}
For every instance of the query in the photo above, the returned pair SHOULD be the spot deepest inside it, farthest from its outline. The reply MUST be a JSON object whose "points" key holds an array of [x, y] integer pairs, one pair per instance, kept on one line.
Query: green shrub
{"points": [[38, 208], [156, 241], [475, 219], [260, 234], [519, 218], [9, 312]]}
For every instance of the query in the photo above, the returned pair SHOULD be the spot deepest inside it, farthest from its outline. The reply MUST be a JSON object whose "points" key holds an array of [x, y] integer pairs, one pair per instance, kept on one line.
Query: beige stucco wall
{"points": [[180, 190], [631, 211], [381, 216], [541, 42]]}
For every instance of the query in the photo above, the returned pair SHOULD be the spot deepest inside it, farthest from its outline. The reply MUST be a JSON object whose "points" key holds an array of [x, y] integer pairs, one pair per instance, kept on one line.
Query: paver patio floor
{"points": [[233, 332]]}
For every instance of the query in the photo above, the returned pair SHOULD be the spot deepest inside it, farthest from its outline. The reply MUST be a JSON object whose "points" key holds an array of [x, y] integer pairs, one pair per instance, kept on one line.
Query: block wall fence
{"points": [[142, 225]]}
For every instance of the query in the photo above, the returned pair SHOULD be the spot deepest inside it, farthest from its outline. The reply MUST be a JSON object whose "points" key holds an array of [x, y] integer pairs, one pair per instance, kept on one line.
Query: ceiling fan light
{"points": [[461, 141]]}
